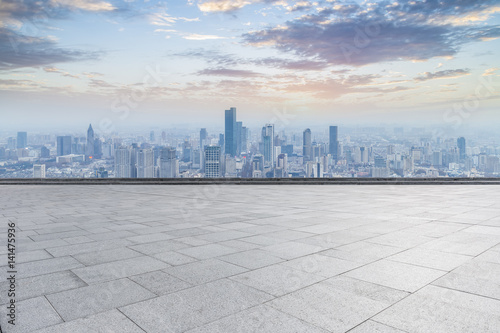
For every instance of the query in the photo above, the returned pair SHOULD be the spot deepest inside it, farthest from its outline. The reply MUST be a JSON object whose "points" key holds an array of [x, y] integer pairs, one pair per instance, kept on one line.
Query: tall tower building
{"points": [[213, 162], [168, 163], [268, 144], [89, 148], [334, 142], [230, 132], [307, 145], [239, 129], [123, 163], [38, 170], [22, 139], [203, 137], [145, 163], [461, 148], [63, 145]]}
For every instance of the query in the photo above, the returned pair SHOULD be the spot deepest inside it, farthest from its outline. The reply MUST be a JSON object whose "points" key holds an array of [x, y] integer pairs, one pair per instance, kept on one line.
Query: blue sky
{"points": [[149, 62]]}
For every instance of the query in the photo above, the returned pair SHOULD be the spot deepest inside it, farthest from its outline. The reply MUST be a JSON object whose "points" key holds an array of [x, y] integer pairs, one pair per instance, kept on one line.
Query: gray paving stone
{"points": [[101, 257], [189, 308], [71, 250], [291, 250], [32, 256], [362, 252], [208, 251], [396, 275], [106, 322], [261, 318], [82, 302], [204, 271], [150, 238], [338, 304], [45, 266], [157, 247], [173, 258], [371, 326], [31, 314], [119, 269], [251, 259], [160, 282], [322, 265], [432, 259], [42, 285], [442, 310], [277, 279]]}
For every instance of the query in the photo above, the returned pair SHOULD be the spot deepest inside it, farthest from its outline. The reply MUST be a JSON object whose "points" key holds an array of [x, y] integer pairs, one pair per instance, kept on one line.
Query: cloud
{"points": [[446, 74], [375, 32], [224, 5], [56, 70], [228, 72], [88, 5], [163, 19], [191, 36], [490, 71], [18, 51]]}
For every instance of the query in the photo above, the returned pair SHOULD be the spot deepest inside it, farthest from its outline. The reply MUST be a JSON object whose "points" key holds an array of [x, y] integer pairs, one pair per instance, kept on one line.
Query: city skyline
{"points": [[143, 63]]}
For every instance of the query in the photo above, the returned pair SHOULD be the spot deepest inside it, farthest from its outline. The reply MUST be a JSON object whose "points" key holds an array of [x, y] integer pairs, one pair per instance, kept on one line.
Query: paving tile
{"points": [[338, 304], [362, 252], [74, 249], [277, 279], [442, 310], [261, 318], [204, 271], [31, 314], [321, 265], [396, 275], [371, 326], [82, 302], [251, 259], [291, 250], [46, 266], [101, 257], [42, 285], [157, 247], [32, 256], [106, 322], [173, 258], [149, 238], [160, 282], [189, 308], [207, 251], [432, 259], [119, 269]]}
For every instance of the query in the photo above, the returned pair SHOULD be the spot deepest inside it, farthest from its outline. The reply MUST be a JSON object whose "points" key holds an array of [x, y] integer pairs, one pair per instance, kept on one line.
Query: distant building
{"points": [[334, 142], [268, 144], [230, 132], [44, 152], [22, 140], [89, 148], [307, 145], [168, 163], [203, 138], [63, 145], [213, 162], [461, 148], [123, 163], [145, 163], [38, 170]]}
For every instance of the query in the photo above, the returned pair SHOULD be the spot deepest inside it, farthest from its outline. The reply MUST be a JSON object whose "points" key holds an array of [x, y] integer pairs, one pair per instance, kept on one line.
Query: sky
{"points": [[131, 63]]}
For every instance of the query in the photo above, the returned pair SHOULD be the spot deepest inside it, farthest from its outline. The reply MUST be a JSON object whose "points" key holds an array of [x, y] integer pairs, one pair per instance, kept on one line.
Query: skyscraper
{"points": [[307, 145], [212, 162], [334, 142], [168, 163], [63, 145], [123, 162], [89, 148], [145, 163], [461, 148], [203, 137], [239, 126], [230, 132], [38, 170], [22, 139], [268, 144]]}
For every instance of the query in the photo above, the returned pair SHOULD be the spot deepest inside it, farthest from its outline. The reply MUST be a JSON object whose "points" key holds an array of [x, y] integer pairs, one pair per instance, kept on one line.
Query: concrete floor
{"points": [[228, 258]]}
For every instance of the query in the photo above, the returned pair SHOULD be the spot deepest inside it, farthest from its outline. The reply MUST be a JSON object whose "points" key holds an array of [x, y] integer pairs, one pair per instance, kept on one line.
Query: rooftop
{"points": [[253, 258]]}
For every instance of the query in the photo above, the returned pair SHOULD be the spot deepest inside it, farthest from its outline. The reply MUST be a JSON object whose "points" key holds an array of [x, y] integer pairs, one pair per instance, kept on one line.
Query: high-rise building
{"points": [[230, 132], [213, 162], [239, 126], [89, 148], [44, 152], [461, 147], [123, 162], [268, 144], [152, 138], [22, 139], [307, 145], [38, 170], [203, 137], [244, 136], [168, 163], [145, 163], [186, 151], [334, 142], [63, 145]]}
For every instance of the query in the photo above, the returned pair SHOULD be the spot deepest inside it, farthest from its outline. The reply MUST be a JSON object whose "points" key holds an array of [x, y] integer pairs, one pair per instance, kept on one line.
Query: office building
{"points": [[38, 170], [334, 142], [123, 162], [168, 163], [213, 162], [63, 145], [268, 144], [230, 132], [89, 147], [22, 140], [307, 145], [145, 163], [461, 148], [203, 138]]}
